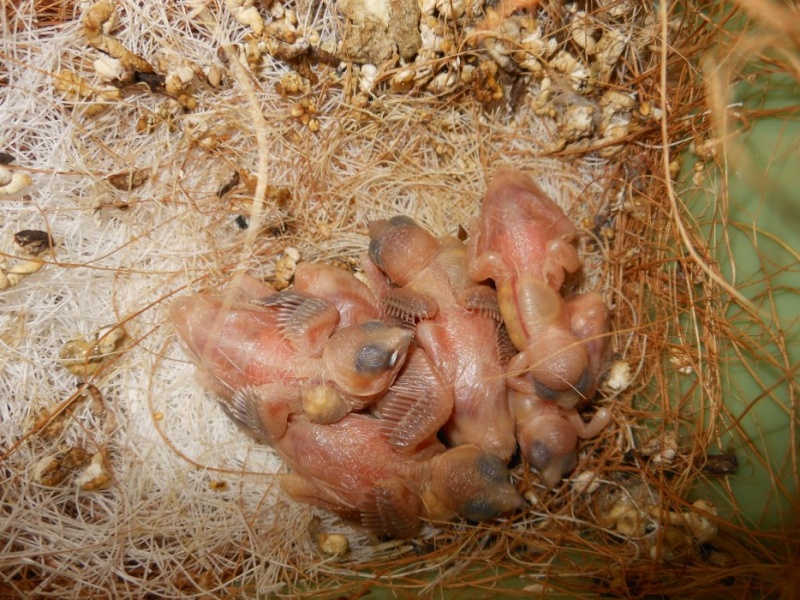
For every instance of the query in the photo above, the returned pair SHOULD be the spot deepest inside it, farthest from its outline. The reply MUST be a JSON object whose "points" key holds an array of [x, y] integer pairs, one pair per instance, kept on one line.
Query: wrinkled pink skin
{"points": [[240, 343], [353, 300], [522, 242], [462, 342], [589, 322], [548, 434], [349, 468], [463, 347], [245, 349], [526, 228]]}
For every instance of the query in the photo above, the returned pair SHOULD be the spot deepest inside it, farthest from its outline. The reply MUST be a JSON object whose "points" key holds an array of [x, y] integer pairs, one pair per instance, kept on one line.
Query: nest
{"points": [[153, 149]]}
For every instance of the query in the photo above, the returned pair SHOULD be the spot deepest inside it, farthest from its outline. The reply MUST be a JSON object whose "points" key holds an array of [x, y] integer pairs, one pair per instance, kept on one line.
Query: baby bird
{"points": [[419, 402], [457, 326], [285, 354], [528, 231], [548, 434], [522, 242], [349, 468]]}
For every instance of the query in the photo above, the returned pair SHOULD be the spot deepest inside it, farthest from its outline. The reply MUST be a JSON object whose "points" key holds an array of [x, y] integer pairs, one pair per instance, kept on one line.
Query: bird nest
{"points": [[154, 149]]}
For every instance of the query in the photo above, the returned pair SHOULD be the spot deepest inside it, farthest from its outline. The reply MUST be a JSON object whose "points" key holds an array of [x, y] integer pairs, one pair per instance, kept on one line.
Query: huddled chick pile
{"points": [[404, 400]]}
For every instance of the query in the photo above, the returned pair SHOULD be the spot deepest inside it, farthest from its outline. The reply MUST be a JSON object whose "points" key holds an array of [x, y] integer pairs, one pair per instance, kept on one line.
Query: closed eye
{"points": [[479, 509], [373, 358], [492, 469]]}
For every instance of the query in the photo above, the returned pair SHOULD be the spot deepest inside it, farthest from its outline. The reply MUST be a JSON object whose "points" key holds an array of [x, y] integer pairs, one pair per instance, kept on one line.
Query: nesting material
{"points": [[171, 148]]}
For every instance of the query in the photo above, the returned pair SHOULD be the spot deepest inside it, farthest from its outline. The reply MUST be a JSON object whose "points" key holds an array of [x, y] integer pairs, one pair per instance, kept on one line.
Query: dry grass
{"points": [[192, 506]]}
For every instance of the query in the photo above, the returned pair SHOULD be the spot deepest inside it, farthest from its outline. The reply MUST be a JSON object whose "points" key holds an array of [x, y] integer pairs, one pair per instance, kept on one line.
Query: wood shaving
{"points": [[55, 469], [80, 93], [98, 22]]}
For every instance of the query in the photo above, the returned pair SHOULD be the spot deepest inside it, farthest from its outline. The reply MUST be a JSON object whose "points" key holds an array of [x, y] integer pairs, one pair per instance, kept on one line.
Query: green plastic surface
{"points": [[755, 242]]}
